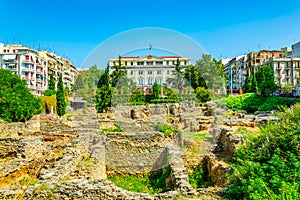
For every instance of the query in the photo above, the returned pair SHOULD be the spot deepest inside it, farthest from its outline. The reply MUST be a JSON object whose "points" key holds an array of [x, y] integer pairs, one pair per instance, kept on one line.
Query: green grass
{"points": [[195, 136], [134, 184], [151, 184]]}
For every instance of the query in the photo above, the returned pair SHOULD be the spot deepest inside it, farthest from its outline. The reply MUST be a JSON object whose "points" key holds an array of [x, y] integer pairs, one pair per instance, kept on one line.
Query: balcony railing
{"points": [[10, 61], [28, 61], [28, 69]]}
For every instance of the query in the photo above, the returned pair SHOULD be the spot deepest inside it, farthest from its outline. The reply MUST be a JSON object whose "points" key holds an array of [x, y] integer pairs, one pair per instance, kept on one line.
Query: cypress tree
{"points": [[51, 83], [61, 103], [104, 92]]}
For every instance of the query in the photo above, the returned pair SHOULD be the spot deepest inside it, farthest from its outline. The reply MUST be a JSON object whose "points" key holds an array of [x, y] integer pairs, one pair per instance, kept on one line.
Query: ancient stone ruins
{"points": [[70, 157]]}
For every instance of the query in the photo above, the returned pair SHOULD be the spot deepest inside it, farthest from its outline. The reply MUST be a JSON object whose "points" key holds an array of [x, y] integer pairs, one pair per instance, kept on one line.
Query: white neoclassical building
{"points": [[147, 70]]}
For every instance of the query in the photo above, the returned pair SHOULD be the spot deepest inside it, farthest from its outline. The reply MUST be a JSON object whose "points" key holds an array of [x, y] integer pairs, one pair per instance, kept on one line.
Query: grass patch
{"points": [[117, 128], [165, 129], [195, 136], [150, 183]]}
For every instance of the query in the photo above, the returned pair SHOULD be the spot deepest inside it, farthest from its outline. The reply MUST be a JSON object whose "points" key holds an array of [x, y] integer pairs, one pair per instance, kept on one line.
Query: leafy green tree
{"points": [[253, 86], [51, 83], [202, 94], [194, 77], [61, 103], [104, 92], [221, 69], [138, 95], [118, 72], [17, 104], [208, 69], [86, 83], [178, 81], [265, 80]]}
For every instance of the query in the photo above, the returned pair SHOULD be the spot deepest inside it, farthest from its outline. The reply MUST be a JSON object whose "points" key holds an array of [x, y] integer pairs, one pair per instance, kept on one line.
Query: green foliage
{"points": [[247, 88], [47, 102], [51, 83], [252, 102], [210, 72], [104, 92], [265, 80], [49, 92], [158, 180], [202, 95], [198, 178], [86, 83], [61, 103], [17, 104], [193, 76], [268, 165], [138, 95], [118, 72], [165, 129]]}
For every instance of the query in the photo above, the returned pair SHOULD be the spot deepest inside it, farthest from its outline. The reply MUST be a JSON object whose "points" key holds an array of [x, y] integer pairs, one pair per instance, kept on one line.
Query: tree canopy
{"points": [[17, 104]]}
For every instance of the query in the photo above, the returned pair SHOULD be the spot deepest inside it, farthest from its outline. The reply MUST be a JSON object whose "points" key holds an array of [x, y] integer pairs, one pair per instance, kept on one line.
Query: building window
{"points": [[131, 63], [141, 81], [125, 63], [168, 72], [140, 72], [158, 72], [131, 72], [159, 63], [167, 62], [150, 63], [173, 72], [140, 63], [173, 62], [158, 80], [150, 72], [185, 62], [149, 81]]}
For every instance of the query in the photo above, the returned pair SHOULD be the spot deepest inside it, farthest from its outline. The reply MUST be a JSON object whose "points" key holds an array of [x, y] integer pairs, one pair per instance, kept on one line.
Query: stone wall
{"points": [[134, 153], [216, 170]]}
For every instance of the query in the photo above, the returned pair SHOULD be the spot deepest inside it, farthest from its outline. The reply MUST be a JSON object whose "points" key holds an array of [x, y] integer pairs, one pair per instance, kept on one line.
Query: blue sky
{"points": [[223, 28]]}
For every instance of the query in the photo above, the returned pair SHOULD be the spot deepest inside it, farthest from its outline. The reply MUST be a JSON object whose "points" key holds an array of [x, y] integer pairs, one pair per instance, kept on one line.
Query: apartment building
{"points": [[147, 70], [296, 50], [285, 66], [35, 66]]}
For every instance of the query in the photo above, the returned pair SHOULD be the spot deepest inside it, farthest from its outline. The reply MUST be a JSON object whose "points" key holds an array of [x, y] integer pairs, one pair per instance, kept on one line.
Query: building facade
{"points": [[296, 50], [35, 67], [147, 70]]}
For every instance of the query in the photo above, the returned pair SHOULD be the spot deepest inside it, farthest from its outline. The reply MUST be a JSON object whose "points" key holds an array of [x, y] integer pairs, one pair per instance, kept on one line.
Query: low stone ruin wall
{"points": [[134, 153]]}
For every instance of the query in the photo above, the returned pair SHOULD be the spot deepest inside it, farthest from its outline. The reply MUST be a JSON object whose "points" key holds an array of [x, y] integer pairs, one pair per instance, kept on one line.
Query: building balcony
{"points": [[31, 86], [10, 61], [40, 88], [29, 61], [40, 72], [29, 78], [68, 72], [67, 77], [28, 69], [11, 68], [39, 80]]}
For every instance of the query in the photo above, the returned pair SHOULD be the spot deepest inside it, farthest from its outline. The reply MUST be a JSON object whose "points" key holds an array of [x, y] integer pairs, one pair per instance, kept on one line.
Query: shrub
{"points": [[138, 95], [272, 103], [202, 94], [165, 129], [49, 92], [17, 104], [268, 165]]}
